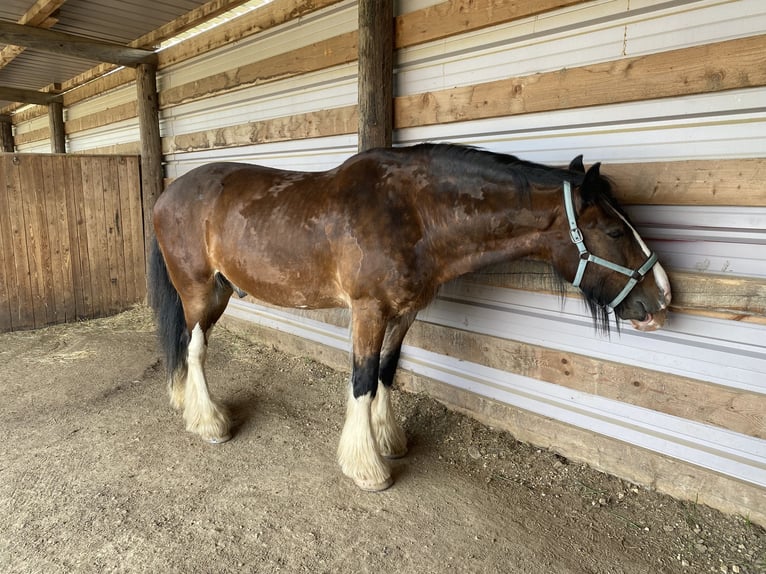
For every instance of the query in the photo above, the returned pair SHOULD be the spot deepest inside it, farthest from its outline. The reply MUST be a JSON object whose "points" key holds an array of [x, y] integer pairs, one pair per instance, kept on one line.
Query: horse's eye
{"points": [[615, 233]]}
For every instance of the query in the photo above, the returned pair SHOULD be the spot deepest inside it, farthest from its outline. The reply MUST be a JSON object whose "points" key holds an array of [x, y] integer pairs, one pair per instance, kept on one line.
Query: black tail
{"points": [[171, 324]]}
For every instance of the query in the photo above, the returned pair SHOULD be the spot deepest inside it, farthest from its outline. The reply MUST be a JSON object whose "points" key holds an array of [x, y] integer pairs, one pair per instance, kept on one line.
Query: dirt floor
{"points": [[98, 475]]}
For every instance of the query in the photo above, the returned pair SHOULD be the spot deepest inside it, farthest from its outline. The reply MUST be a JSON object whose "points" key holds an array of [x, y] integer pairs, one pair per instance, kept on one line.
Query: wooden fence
{"points": [[71, 238]]}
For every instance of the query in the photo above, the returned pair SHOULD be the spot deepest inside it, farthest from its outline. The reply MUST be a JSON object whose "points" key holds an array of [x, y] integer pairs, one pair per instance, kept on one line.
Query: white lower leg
{"points": [[392, 443], [358, 451], [202, 415], [177, 388]]}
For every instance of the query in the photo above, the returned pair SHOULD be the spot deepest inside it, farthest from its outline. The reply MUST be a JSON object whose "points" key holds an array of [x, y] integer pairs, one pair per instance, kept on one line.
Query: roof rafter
{"points": [[70, 44], [40, 15]]}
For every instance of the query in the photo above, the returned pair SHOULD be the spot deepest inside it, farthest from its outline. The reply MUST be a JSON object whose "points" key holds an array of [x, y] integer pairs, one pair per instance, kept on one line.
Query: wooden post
{"points": [[376, 57], [56, 123], [151, 145], [6, 134]]}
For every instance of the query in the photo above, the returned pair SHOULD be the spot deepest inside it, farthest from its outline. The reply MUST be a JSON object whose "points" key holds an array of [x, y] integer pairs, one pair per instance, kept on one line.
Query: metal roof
{"points": [[115, 21]]}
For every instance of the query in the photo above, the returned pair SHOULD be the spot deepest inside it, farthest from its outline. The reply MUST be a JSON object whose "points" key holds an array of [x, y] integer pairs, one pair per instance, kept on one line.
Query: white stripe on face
{"points": [[660, 277]]}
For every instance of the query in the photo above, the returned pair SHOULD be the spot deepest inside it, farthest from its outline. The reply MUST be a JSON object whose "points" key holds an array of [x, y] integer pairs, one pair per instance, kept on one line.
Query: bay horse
{"points": [[379, 234]]}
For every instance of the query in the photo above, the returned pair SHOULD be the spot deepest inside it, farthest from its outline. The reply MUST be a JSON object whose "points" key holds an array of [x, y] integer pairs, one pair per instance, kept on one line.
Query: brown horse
{"points": [[379, 234]]}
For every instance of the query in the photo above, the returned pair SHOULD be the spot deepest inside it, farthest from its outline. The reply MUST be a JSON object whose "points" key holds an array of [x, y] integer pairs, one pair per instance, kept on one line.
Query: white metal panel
{"points": [[314, 154], [123, 132], [315, 27], [325, 89], [586, 34]]}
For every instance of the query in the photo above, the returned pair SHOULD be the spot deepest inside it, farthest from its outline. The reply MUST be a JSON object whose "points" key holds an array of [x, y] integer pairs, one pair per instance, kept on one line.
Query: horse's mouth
{"points": [[651, 322]]}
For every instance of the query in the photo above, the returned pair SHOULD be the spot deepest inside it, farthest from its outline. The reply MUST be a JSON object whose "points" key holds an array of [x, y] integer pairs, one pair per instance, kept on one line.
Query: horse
{"points": [[379, 234]]}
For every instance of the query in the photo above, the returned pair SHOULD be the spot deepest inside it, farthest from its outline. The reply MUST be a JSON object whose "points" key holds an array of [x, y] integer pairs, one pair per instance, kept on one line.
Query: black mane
{"points": [[498, 166]]}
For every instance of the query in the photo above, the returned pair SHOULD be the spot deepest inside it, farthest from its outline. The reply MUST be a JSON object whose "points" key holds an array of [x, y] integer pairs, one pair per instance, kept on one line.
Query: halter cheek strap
{"points": [[586, 257]]}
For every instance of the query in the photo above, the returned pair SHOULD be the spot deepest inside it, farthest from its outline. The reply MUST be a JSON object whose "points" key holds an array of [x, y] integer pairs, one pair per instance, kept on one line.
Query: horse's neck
{"points": [[486, 228]]}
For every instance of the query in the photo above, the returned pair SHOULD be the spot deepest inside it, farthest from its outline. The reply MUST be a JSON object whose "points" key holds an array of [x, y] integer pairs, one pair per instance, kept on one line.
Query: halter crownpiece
{"points": [[635, 275]]}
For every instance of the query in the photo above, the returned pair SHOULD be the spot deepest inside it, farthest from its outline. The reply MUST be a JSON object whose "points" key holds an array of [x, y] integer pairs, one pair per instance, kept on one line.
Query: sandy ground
{"points": [[98, 475]]}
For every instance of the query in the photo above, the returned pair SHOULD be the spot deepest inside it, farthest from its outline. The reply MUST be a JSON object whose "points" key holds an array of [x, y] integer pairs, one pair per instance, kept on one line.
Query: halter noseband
{"points": [[585, 257]]}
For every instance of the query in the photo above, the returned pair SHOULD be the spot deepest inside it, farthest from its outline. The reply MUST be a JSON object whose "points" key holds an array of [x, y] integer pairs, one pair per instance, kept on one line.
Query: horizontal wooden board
{"points": [[728, 65], [694, 182], [461, 16], [740, 411], [301, 126], [736, 298]]}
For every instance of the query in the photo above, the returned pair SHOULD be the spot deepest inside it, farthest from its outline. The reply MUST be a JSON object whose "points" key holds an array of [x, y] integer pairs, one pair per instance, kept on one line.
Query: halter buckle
{"points": [[576, 235]]}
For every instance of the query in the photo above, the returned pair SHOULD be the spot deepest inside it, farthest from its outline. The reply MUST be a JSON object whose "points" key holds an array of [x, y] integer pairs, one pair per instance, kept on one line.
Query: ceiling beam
{"points": [[40, 15], [72, 45], [28, 96]]}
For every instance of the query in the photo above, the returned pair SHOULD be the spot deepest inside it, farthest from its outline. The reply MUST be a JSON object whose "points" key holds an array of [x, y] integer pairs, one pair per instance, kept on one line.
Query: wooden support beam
{"points": [[376, 54], [6, 134], [151, 146], [56, 123], [39, 15], [28, 96], [72, 45]]}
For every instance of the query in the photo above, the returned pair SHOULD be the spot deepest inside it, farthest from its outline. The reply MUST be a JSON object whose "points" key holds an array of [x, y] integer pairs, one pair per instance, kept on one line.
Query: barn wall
{"points": [[669, 95], [71, 234]]}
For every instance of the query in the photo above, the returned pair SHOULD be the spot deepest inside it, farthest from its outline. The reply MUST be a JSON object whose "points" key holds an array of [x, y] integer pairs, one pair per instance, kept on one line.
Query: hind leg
{"points": [[358, 453], [203, 415], [392, 442]]}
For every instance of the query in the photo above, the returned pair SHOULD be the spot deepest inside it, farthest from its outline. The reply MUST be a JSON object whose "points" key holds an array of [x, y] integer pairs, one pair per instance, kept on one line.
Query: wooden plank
{"points": [[105, 117], [736, 298], [63, 192], [336, 121], [130, 192], [123, 193], [31, 199], [460, 16], [320, 55], [733, 409], [93, 207], [82, 267], [33, 136], [7, 270], [69, 175], [22, 305], [736, 182], [52, 196], [114, 237], [709, 68]]}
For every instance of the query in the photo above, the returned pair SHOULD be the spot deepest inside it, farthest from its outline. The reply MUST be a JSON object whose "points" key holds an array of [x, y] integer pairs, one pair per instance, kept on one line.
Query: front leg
{"points": [[392, 442], [358, 453]]}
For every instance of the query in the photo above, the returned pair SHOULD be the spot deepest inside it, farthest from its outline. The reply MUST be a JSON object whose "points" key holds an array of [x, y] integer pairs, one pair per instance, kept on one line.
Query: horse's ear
{"points": [[591, 185], [577, 165]]}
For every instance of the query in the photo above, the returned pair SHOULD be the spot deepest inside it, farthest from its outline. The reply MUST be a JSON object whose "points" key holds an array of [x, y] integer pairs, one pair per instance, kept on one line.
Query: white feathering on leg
{"points": [[357, 451], [392, 442], [201, 414]]}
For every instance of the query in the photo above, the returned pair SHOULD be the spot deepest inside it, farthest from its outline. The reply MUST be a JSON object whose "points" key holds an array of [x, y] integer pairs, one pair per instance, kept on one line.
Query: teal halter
{"points": [[586, 257]]}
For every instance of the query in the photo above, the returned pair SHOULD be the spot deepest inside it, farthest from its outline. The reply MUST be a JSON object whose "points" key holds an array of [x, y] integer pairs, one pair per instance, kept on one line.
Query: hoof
{"points": [[395, 455], [369, 486], [217, 439]]}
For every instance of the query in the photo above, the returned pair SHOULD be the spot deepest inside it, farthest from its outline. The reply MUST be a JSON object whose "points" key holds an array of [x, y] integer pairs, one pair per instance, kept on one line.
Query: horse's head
{"points": [[600, 252]]}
